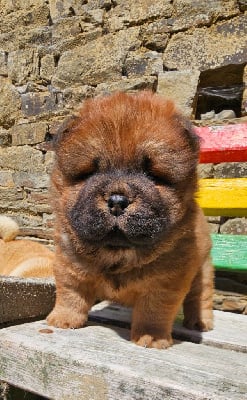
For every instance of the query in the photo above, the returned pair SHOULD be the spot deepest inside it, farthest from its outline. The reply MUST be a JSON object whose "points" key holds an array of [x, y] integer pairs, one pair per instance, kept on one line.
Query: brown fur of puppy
{"points": [[128, 228], [22, 258]]}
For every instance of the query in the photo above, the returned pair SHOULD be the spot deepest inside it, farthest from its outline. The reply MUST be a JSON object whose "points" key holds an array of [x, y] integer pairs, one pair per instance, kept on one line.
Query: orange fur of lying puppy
{"points": [[22, 258], [128, 228]]}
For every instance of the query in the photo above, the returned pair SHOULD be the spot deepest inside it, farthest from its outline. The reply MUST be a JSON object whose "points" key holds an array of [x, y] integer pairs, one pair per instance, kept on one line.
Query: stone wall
{"points": [[54, 54]]}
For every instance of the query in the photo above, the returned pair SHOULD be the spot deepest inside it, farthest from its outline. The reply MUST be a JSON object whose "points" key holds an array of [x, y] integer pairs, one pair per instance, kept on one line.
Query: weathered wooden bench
{"points": [[99, 362]]}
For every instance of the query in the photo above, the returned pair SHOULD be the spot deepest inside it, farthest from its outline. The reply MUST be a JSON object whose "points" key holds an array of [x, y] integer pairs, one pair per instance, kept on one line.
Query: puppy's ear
{"points": [[64, 129], [189, 132]]}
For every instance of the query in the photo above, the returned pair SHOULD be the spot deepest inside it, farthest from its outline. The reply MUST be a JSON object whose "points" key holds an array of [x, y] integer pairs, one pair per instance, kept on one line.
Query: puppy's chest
{"points": [[126, 294]]}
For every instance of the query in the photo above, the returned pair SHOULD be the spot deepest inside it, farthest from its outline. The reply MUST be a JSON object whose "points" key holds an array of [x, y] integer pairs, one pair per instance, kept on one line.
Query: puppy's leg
{"points": [[198, 304], [74, 298], [153, 317]]}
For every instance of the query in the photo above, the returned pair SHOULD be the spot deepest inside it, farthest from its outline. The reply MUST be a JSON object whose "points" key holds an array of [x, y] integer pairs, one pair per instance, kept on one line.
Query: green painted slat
{"points": [[229, 252]]}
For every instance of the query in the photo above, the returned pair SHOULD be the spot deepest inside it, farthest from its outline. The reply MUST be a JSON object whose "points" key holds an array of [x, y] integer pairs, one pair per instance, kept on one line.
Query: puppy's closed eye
{"points": [[86, 171], [157, 176]]}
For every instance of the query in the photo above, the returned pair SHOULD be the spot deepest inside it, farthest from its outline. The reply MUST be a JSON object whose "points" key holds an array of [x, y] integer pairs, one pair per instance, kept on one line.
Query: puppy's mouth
{"points": [[116, 239]]}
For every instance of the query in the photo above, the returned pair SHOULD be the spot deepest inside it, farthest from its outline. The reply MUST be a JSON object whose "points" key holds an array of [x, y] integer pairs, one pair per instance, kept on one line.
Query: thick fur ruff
{"points": [[22, 258], [128, 228]]}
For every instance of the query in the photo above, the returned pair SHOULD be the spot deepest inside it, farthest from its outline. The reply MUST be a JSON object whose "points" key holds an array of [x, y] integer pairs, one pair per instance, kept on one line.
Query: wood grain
{"points": [[25, 298], [223, 143], [229, 252], [99, 363], [226, 197]]}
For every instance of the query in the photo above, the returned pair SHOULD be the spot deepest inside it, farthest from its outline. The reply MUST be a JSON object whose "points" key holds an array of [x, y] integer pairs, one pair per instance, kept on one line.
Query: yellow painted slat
{"points": [[226, 197]]}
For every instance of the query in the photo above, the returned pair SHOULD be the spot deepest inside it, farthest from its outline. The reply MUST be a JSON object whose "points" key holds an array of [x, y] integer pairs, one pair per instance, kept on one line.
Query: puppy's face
{"points": [[125, 174]]}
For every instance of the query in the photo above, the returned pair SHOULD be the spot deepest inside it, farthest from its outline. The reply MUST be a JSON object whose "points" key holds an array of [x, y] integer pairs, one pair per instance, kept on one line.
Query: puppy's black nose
{"points": [[117, 204]]}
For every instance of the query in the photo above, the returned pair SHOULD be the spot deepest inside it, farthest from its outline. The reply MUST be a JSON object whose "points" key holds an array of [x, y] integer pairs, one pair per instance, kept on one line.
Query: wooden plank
{"points": [[25, 298], [230, 330], [229, 252], [99, 363], [226, 197], [223, 143]]}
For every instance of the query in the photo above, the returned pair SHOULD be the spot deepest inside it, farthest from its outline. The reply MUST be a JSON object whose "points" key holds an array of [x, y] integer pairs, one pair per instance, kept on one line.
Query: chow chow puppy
{"points": [[22, 258], [128, 228]]}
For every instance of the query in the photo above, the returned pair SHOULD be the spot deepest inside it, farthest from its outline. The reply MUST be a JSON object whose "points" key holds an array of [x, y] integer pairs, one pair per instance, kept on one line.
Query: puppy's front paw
{"points": [[65, 318], [151, 342]]}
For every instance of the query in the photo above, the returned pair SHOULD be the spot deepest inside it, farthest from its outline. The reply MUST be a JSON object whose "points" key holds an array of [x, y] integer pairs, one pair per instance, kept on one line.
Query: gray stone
{"points": [[28, 133], [47, 67], [3, 63], [96, 62], [21, 158], [9, 104], [143, 63], [23, 65], [205, 170], [155, 35], [236, 226], [6, 179], [4, 137], [127, 85], [230, 170], [28, 14], [39, 103], [31, 180], [129, 13], [208, 48], [73, 97], [189, 13], [180, 86]]}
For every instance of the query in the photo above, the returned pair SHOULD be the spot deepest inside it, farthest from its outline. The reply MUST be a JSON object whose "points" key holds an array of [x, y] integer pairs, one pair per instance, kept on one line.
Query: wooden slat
{"points": [[226, 197], [99, 363], [220, 336], [229, 252], [225, 143], [35, 298]]}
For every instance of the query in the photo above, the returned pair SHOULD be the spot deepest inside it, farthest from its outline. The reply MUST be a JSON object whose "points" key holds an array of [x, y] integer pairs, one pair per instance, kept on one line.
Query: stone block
{"points": [[98, 61], [236, 226], [231, 170], [28, 133], [143, 63], [23, 65], [155, 35], [35, 180], [41, 103], [129, 13], [207, 48], [10, 104], [21, 38], [3, 63], [5, 138], [189, 13], [6, 179], [65, 8], [47, 67], [180, 86], [205, 171], [21, 158], [29, 14], [127, 85]]}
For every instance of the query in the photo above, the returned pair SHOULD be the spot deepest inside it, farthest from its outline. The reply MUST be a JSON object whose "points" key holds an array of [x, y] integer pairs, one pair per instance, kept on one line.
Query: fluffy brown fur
{"points": [[128, 227], [22, 258]]}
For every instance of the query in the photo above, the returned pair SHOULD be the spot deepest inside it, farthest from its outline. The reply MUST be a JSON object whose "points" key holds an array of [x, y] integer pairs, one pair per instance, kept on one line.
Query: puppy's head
{"points": [[125, 173]]}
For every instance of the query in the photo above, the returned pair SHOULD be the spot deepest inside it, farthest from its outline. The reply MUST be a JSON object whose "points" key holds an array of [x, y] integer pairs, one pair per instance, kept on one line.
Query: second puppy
{"points": [[22, 258]]}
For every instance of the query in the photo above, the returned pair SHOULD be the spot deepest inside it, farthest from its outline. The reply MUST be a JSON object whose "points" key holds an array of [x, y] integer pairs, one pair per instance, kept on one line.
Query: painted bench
{"points": [[225, 197], [98, 362]]}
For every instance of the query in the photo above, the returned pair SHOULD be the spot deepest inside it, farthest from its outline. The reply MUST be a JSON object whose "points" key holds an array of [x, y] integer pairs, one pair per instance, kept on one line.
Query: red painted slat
{"points": [[223, 143]]}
